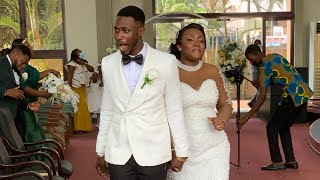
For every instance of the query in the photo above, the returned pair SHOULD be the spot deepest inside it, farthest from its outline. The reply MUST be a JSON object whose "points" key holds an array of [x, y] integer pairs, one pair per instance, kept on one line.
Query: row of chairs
{"points": [[56, 120], [17, 158]]}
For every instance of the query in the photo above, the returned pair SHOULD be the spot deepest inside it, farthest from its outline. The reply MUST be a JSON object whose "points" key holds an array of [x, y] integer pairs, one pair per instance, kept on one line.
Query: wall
{"points": [[306, 11], [104, 26], [115, 6], [298, 38], [89, 25], [81, 28]]}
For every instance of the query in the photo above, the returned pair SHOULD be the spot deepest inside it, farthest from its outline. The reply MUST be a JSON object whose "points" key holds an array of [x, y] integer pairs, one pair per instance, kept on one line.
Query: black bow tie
{"points": [[127, 59]]}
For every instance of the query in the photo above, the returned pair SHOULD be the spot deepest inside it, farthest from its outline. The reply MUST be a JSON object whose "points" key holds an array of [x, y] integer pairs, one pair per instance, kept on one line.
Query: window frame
{"points": [[266, 16], [44, 54]]}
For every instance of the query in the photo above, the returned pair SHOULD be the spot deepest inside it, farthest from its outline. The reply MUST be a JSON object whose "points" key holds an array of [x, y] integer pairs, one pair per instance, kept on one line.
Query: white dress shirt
{"points": [[16, 76], [133, 70]]}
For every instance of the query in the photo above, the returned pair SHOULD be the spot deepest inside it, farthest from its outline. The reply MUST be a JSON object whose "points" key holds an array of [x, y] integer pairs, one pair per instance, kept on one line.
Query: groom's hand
{"points": [[176, 165], [15, 93], [102, 167]]}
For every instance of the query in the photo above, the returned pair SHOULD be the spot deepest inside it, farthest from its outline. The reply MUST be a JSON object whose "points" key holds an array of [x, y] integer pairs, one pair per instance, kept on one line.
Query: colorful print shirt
{"points": [[276, 69]]}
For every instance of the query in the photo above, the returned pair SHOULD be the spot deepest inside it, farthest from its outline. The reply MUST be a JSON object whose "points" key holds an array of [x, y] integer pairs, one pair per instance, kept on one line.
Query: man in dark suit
{"points": [[10, 94]]}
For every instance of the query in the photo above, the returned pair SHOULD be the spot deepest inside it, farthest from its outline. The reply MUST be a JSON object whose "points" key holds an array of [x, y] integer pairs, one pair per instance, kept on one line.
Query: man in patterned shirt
{"points": [[274, 69]]}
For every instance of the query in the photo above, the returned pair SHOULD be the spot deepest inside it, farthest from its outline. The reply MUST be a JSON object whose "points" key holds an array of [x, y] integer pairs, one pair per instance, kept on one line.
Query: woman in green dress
{"points": [[32, 131]]}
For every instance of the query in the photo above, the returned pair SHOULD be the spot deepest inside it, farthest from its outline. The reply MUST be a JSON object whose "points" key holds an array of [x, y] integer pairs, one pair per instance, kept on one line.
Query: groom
{"points": [[141, 107], [10, 94]]}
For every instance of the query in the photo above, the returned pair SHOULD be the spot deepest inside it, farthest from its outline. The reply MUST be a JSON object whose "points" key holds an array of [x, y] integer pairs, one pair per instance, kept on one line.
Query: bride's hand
{"points": [[218, 123]]}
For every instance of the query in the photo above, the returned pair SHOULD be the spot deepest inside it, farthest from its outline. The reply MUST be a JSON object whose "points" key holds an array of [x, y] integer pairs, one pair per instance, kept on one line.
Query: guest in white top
{"points": [[77, 69]]}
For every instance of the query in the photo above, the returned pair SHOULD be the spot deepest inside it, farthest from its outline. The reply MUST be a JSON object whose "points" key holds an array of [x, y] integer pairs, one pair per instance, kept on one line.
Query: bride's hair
{"points": [[173, 47]]}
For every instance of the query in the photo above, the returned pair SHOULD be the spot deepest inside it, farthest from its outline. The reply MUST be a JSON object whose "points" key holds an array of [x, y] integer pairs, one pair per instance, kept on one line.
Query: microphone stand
{"points": [[238, 78]]}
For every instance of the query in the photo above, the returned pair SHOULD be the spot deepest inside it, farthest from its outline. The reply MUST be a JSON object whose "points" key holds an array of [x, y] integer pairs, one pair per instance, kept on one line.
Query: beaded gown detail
{"points": [[209, 148]]}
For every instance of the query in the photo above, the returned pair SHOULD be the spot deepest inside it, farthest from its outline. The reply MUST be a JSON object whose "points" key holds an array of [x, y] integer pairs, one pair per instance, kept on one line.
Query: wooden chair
{"points": [[56, 123], [14, 142], [10, 169], [26, 174]]}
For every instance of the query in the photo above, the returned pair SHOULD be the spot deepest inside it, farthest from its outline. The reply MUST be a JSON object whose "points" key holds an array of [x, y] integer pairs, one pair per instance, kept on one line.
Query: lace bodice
{"points": [[209, 148], [198, 105], [199, 98]]}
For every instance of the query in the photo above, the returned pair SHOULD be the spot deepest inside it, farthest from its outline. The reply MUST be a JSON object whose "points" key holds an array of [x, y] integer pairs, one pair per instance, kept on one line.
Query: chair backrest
{"points": [[4, 155], [8, 129]]}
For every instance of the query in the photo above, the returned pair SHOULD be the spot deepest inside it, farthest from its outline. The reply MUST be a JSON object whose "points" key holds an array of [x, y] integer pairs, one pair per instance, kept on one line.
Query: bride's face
{"points": [[192, 45]]}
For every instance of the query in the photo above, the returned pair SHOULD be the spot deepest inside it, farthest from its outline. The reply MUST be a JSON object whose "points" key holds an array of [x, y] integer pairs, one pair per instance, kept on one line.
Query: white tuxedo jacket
{"points": [[141, 123]]}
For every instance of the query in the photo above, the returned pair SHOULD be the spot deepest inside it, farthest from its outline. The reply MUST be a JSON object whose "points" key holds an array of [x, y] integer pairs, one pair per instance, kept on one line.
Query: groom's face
{"points": [[128, 35], [19, 60]]}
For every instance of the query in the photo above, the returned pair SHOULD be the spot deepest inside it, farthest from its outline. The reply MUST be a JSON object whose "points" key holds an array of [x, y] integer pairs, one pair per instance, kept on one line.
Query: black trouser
{"points": [[133, 171], [282, 119]]}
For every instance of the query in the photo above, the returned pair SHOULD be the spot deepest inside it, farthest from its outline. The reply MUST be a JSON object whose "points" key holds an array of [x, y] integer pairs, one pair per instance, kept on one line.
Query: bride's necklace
{"points": [[190, 68]]}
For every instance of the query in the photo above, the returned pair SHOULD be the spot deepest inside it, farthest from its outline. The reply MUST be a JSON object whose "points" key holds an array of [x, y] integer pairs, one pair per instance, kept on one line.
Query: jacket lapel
{"points": [[139, 94], [9, 69], [122, 90]]}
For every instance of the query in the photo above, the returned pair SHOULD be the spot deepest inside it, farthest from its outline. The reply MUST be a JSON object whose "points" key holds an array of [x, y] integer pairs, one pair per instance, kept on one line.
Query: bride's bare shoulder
{"points": [[210, 69]]}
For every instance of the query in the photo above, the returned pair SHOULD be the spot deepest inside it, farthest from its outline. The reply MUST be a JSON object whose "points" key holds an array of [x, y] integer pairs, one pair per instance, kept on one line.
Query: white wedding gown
{"points": [[209, 148]]}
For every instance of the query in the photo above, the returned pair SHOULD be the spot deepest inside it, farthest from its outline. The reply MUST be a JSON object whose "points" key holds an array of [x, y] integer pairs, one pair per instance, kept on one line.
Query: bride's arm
{"points": [[224, 105]]}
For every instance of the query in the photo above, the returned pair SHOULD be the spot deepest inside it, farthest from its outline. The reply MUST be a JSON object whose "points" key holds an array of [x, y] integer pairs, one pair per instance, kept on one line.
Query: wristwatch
{"points": [[182, 159]]}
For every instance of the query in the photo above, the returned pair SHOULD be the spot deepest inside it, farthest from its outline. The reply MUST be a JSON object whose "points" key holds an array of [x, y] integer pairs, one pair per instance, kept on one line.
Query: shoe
{"points": [[292, 165], [273, 167]]}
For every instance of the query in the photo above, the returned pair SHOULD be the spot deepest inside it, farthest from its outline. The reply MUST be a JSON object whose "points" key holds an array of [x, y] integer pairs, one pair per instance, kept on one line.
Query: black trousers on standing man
{"points": [[279, 125], [133, 171]]}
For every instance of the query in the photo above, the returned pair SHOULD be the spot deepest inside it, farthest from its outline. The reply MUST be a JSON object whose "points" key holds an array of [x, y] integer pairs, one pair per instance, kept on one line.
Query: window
{"points": [[241, 20], [9, 22], [44, 24], [44, 64], [41, 23], [222, 6]]}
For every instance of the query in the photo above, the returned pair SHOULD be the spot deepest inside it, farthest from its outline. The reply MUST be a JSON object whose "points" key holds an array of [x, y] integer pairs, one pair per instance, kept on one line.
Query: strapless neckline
{"points": [[202, 84]]}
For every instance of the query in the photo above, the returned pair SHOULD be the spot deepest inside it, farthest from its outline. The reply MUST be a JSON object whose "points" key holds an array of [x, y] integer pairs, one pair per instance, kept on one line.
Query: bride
{"points": [[207, 109]]}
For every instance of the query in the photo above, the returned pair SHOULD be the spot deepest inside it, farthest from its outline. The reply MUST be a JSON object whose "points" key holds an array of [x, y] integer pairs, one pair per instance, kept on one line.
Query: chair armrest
{"points": [[53, 153], [40, 152], [49, 141], [22, 174], [53, 167], [29, 163]]}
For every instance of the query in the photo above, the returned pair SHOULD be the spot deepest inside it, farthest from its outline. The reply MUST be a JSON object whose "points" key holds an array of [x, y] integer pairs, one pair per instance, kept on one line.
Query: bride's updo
{"points": [[173, 47]]}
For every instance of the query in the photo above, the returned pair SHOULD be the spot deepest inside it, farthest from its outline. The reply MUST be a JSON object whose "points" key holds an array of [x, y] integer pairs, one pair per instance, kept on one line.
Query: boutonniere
{"points": [[150, 76], [24, 76]]}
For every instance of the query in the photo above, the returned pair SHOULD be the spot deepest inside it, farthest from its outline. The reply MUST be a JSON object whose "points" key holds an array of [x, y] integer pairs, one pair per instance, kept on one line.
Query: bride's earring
{"points": [[179, 48]]}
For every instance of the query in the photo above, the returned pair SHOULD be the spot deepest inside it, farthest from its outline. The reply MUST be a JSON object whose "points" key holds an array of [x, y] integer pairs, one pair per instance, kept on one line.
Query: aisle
{"points": [[254, 154], [82, 155]]}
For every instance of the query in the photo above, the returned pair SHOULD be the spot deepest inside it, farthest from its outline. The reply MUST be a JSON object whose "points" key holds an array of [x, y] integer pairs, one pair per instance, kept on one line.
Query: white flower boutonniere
{"points": [[24, 76], [150, 76]]}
